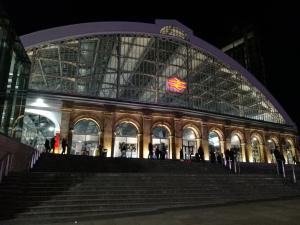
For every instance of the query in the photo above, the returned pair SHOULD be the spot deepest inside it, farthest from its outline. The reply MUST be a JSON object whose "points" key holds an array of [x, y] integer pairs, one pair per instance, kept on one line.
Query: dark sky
{"points": [[214, 22]]}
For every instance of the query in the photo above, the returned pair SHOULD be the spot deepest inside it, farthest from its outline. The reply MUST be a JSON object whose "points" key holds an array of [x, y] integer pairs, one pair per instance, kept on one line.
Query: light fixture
{"points": [[269, 141], [39, 102], [51, 129]]}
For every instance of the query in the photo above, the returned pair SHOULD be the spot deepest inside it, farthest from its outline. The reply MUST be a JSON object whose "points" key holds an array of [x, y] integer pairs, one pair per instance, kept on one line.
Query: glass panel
{"points": [[255, 150], [214, 145], [126, 142], [136, 68], [236, 144], [85, 139]]}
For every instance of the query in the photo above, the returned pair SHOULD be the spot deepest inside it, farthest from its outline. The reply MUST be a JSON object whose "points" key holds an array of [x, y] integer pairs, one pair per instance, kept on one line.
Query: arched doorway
{"points": [[34, 129], [235, 143], [189, 143], [85, 138], [289, 152], [214, 146], [271, 147], [255, 147], [126, 137], [160, 139]]}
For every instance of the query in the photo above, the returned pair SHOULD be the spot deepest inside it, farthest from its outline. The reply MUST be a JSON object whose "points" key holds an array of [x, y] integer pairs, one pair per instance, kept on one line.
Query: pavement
{"points": [[275, 212]]}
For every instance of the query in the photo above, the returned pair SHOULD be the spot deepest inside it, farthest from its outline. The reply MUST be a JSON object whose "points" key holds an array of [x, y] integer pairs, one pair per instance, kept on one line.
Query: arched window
{"points": [[271, 147], [235, 142], [160, 139], [173, 31], [289, 152], [126, 143], [36, 129], [214, 144], [85, 137], [189, 143], [255, 150]]}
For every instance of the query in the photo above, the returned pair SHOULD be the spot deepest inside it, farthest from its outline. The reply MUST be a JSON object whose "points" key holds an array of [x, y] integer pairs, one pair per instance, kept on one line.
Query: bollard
{"points": [[283, 170], [277, 168], [7, 165], [234, 163], [294, 175], [1, 170]]}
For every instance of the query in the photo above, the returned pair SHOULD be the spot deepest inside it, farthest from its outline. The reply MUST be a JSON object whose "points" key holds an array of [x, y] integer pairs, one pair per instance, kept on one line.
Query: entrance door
{"points": [[160, 139], [126, 143]]}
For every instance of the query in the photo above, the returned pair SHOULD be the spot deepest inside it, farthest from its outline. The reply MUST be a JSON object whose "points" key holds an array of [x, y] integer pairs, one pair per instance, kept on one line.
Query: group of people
{"points": [[50, 145], [159, 153]]}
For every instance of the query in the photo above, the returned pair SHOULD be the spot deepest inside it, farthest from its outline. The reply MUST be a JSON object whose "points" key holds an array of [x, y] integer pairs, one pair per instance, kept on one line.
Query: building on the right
{"points": [[245, 47]]}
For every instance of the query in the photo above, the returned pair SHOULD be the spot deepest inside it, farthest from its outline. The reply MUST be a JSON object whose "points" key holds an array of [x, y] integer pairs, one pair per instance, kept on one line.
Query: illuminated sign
{"points": [[176, 85]]}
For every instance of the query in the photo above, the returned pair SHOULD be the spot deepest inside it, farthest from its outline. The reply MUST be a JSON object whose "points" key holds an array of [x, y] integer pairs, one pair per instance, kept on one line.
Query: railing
{"points": [[232, 165], [34, 158], [282, 170], [5, 165]]}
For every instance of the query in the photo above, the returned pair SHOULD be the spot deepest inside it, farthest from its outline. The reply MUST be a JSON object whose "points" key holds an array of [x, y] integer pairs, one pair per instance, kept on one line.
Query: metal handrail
{"points": [[294, 175], [34, 158], [5, 163]]}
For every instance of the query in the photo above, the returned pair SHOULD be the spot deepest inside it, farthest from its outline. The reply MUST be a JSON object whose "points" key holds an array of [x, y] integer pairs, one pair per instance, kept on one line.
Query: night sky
{"points": [[214, 22]]}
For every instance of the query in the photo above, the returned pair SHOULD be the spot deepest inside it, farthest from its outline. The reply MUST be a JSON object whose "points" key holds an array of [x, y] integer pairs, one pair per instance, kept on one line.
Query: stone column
{"points": [[249, 156], [172, 153], [204, 131], [243, 152], [140, 145], [178, 136], [248, 152], [65, 129], [222, 145], [108, 124], [262, 153], [147, 138], [65, 121], [198, 143]]}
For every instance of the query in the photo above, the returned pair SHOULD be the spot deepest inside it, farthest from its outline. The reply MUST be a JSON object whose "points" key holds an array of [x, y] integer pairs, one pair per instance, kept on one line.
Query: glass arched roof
{"points": [[135, 62]]}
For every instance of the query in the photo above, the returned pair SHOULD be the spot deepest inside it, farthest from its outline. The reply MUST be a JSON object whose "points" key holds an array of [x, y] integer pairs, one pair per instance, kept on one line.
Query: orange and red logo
{"points": [[176, 85]]}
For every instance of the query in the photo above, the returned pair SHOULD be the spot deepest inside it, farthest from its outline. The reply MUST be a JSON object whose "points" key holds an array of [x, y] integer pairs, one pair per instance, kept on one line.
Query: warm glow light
{"points": [[176, 85]]}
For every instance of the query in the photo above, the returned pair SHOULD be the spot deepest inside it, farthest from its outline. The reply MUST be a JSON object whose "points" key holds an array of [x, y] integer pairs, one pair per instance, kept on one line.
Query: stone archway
{"points": [[215, 142], [236, 142], [85, 137], [161, 139], [289, 151], [126, 139], [256, 153]]}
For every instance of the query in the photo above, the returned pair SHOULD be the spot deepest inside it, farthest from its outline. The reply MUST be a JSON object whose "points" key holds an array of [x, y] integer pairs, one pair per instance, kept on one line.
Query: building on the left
{"points": [[14, 77]]}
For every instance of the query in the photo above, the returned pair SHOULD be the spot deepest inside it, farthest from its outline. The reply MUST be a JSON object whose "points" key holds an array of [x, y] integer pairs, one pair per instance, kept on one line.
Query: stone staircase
{"points": [[101, 188]]}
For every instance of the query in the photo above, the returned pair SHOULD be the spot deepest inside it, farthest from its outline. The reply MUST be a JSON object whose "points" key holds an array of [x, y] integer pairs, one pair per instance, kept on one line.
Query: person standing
{"points": [[52, 144], [63, 145], [47, 146], [201, 153], [150, 149]]}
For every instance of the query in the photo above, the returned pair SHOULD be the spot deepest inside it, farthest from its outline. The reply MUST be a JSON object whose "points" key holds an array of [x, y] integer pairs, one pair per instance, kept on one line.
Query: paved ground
{"points": [[280, 212]]}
